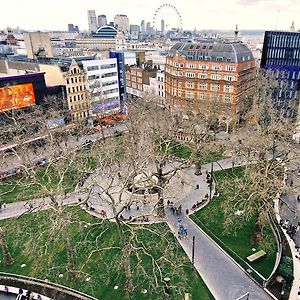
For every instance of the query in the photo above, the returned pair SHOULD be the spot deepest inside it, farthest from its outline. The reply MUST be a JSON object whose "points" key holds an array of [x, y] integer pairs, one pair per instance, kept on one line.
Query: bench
{"points": [[255, 256]]}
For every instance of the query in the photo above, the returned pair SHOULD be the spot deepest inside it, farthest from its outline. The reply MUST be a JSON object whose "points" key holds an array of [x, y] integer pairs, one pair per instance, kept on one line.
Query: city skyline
{"points": [[268, 15]]}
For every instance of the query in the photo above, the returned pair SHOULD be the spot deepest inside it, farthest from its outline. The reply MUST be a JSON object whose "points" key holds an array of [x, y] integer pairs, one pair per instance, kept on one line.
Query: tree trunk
{"points": [[7, 258], [160, 190], [70, 253], [126, 260]]}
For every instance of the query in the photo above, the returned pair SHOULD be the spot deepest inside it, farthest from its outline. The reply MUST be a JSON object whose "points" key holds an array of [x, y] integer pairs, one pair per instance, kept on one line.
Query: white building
{"points": [[122, 23], [157, 86], [92, 20], [103, 85]]}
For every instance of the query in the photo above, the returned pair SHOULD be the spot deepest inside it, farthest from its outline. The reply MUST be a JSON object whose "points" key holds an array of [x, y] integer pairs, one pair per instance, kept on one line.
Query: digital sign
{"points": [[16, 96]]}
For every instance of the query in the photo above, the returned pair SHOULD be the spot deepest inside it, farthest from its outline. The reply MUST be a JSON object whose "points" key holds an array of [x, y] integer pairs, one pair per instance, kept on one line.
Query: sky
{"points": [[199, 14]]}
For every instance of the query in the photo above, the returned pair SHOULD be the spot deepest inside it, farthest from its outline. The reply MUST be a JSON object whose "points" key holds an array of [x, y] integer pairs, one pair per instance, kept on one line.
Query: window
{"points": [[202, 86], [228, 88], [93, 68], [230, 68], [202, 76], [229, 78], [228, 98], [208, 58], [190, 95], [189, 85], [191, 66], [204, 67], [202, 96], [216, 67], [190, 75], [215, 87], [219, 59], [67, 80], [215, 76]]}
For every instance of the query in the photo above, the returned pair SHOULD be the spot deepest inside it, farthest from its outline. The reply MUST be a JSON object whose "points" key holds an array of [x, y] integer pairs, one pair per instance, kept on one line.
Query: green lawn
{"points": [[186, 152], [35, 240], [211, 220], [44, 180]]}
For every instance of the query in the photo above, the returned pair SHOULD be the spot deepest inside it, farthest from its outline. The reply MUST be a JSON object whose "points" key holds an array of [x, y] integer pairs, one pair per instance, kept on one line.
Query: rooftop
{"points": [[213, 51]]}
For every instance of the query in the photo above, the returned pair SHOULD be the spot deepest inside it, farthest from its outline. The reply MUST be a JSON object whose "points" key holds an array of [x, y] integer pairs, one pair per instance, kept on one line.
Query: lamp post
{"points": [[193, 251], [211, 180]]}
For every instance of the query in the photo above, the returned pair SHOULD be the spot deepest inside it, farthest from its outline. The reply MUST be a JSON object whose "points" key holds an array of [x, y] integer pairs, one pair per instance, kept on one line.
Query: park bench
{"points": [[255, 256]]}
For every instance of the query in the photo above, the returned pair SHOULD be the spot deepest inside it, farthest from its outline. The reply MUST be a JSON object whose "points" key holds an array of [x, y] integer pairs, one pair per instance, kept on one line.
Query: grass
{"points": [[45, 179], [35, 240], [186, 152], [239, 241]]}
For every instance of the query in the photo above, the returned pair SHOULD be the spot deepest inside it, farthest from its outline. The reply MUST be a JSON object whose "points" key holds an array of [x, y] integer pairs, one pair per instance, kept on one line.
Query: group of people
{"points": [[175, 210], [199, 203], [182, 231], [2, 206], [21, 296], [291, 229]]}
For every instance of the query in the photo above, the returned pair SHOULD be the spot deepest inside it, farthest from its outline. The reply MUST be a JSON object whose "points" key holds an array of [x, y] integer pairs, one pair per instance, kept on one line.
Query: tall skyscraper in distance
{"points": [[143, 26], [71, 28], [281, 56], [122, 23], [102, 21], [148, 28], [92, 21], [162, 26]]}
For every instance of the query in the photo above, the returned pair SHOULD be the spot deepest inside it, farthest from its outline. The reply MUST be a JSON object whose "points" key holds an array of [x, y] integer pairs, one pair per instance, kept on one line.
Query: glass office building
{"points": [[281, 56]]}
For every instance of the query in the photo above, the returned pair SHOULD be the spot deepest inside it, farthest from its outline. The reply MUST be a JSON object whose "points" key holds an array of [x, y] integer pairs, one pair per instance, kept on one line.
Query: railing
{"points": [[48, 289], [261, 280]]}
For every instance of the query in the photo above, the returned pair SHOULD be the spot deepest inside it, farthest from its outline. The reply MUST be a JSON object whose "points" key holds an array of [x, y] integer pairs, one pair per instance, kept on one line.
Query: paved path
{"points": [[223, 277]]}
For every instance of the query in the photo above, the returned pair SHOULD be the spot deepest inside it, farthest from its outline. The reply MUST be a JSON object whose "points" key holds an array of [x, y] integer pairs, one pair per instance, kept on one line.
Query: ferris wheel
{"points": [[164, 8]]}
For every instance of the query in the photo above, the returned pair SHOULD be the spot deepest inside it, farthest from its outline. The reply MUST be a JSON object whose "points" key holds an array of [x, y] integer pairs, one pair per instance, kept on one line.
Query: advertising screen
{"points": [[16, 96]]}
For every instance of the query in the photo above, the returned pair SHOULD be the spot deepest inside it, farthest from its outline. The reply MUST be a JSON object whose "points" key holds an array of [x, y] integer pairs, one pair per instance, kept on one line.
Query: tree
{"points": [[7, 258], [265, 135]]}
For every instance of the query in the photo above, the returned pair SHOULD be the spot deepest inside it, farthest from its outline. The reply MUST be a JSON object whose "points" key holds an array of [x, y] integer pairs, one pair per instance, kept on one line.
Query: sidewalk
{"points": [[223, 277]]}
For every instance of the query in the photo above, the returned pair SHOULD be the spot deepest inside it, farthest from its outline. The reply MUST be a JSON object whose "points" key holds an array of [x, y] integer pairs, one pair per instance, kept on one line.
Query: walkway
{"points": [[225, 279]]}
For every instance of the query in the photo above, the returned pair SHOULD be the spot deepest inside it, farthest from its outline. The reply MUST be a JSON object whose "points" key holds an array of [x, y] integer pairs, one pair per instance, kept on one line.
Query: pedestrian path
{"points": [[221, 274], [224, 278]]}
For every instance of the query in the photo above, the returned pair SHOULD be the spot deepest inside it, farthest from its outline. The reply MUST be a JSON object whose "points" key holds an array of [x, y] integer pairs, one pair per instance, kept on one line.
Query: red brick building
{"points": [[198, 75]]}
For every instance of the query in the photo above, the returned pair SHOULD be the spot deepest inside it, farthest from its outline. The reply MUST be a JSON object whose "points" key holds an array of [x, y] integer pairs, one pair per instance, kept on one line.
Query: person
{"points": [[197, 186], [298, 198], [6, 290], [20, 295], [168, 203], [187, 211], [39, 297]]}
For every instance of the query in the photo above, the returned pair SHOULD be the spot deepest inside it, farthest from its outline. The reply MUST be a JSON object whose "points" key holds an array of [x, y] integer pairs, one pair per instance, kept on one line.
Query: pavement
{"points": [[224, 278]]}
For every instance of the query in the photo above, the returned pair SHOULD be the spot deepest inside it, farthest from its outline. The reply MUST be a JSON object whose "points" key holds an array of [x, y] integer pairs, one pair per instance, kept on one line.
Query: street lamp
{"points": [[211, 180]]}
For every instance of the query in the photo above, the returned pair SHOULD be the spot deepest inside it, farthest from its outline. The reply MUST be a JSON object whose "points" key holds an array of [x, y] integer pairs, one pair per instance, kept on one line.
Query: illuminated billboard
{"points": [[16, 96]]}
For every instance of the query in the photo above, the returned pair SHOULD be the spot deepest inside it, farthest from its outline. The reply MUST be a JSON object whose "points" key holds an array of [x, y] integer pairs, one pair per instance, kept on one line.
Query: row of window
{"points": [[75, 89], [76, 98], [97, 76], [79, 106], [203, 76], [102, 67], [75, 79], [204, 86], [202, 96], [203, 66], [80, 115]]}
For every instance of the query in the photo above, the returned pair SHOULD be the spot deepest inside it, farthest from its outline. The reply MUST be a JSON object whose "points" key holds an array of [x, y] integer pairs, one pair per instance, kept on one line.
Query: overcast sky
{"points": [[200, 14]]}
